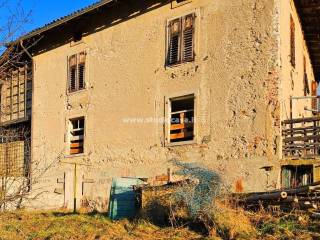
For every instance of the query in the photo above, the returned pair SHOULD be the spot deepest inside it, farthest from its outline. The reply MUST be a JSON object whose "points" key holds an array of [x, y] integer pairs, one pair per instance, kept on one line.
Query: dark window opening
{"points": [[306, 89], [81, 70], [181, 40], [76, 136], [296, 176], [182, 119], [77, 36], [73, 73]]}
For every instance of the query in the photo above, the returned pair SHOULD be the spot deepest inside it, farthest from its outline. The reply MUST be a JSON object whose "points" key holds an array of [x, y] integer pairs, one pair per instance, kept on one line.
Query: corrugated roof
{"points": [[64, 19]]}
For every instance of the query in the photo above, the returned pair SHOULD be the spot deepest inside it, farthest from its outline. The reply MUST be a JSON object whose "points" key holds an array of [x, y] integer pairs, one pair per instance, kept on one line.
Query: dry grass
{"points": [[55, 225], [225, 222]]}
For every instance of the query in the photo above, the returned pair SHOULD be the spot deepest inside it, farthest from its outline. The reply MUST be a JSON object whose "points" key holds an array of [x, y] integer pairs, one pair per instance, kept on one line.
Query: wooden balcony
{"points": [[301, 138]]}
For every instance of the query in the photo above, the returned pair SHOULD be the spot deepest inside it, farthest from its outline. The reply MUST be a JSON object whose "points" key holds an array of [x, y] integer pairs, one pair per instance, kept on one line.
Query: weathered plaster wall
{"points": [[234, 77], [292, 78]]}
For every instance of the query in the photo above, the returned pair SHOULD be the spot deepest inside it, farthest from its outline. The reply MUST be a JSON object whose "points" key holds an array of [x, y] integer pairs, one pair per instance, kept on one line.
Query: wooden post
{"points": [[75, 189], [169, 175]]}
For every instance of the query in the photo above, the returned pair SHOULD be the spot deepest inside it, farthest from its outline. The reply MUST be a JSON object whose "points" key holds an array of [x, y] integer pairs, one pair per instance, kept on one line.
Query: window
{"points": [[292, 43], [314, 102], [182, 119], [306, 89], [296, 176], [77, 65], [76, 135], [181, 40]]}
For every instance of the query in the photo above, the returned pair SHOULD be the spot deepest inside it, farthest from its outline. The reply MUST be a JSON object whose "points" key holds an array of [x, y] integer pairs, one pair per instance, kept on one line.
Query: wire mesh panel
{"points": [[12, 159]]}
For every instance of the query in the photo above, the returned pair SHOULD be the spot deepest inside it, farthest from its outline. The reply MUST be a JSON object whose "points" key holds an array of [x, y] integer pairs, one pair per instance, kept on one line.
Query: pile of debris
{"points": [[305, 198]]}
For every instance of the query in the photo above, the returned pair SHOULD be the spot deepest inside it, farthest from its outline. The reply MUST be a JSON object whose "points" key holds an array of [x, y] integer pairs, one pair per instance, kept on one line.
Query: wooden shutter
{"points": [[292, 42], [73, 73], [174, 41], [314, 93], [81, 70], [188, 38]]}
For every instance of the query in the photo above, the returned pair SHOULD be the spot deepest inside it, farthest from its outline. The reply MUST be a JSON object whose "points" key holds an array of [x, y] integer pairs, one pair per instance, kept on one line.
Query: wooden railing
{"points": [[301, 138]]}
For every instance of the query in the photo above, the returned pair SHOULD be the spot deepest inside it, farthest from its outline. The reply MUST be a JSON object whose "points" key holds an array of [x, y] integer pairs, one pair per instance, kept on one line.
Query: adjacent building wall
{"points": [[292, 78], [235, 79]]}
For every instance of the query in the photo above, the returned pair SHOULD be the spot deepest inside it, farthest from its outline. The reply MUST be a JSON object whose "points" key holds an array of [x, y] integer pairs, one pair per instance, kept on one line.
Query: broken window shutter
{"points": [[314, 94], [81, 70], [73, 73], [188, 38], [174, 41]]}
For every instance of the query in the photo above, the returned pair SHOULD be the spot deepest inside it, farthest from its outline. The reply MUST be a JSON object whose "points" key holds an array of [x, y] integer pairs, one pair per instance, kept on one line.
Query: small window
{"points": [[77, 36], [306, 89], [182, 119], [292, 43], [181, 40], [314, 94], [296, 176], [76, 136], [77, 66]]}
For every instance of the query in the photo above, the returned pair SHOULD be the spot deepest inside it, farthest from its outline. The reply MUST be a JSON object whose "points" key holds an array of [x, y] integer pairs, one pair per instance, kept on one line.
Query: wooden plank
{"points": [[77, 138], [290, 130], [181, 135], [293, 139], [162, 178], [300, 120], [183, 111], [76, 150], [180, 126], [76, 145]]}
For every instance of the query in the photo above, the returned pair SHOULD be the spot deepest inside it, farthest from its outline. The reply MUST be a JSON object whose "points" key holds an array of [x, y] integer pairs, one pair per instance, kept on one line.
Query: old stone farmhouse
{"points": [[94, 93]]}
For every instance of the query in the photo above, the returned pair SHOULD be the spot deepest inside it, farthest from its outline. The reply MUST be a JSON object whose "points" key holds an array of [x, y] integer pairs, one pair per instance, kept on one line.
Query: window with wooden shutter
{"points": [[77, 65], [292, 43], [76, 135], [181, 40]]}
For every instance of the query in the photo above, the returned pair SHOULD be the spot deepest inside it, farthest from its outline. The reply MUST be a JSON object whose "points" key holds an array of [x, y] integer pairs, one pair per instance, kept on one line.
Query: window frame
{"points": [[69, 134], [167, 124], [195, 27]]}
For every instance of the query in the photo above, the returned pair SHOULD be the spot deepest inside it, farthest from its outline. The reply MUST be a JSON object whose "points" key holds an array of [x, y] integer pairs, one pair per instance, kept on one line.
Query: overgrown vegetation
{"points": [[205, 206], [229, 223]]}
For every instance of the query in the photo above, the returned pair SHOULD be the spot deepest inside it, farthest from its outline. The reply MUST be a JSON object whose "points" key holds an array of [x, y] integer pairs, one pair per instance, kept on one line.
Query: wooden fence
{"points": [[301, 137]]}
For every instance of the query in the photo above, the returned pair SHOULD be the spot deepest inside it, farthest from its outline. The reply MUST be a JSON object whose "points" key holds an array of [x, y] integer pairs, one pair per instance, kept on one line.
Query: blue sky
{"points": [[42, 11]]}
